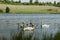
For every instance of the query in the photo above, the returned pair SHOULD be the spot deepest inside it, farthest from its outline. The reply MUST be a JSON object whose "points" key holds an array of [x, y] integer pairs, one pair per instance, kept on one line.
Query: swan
{"points": [[45, 26], [28, 28]]}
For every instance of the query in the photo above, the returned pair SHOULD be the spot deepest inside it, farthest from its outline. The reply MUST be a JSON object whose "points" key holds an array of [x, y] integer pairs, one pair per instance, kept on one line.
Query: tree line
{"points": [[31, 2]]}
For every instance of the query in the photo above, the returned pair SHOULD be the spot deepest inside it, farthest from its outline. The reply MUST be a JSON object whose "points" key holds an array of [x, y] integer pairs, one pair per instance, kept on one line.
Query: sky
{"points": [[39, 0]]}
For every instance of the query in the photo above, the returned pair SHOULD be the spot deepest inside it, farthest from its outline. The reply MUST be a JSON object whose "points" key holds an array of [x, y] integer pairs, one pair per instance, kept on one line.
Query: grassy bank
{"points": [[30, 9]]}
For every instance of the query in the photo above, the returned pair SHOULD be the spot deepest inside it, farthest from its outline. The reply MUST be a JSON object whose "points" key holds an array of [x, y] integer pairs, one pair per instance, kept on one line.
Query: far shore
{"points": [[30, 9]]}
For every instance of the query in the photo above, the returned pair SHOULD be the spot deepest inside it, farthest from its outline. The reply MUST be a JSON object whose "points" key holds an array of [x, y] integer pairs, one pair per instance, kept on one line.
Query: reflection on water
{"points": [[8, 23]]}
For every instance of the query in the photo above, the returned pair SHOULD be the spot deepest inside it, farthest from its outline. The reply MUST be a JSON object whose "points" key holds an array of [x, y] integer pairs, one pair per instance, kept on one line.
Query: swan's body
{"points": [[28, 28], [45, 26]]}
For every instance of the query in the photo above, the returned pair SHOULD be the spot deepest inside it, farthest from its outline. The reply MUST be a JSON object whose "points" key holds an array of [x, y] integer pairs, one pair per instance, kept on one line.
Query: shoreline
{"points": [[30, 9]]}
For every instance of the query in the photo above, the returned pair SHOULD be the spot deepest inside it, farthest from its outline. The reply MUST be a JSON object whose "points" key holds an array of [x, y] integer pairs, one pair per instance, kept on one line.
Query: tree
{"points": [[36, 1], [6, 1], [11, 0], [0, 0], [58, 4], [49, 3], [54, 3], [30, 1], [19, 1]]}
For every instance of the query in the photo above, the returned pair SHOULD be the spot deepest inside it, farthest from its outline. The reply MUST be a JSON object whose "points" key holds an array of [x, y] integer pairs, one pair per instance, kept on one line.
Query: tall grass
{"points": [[45, 37], [19, 36], [56, 37]]}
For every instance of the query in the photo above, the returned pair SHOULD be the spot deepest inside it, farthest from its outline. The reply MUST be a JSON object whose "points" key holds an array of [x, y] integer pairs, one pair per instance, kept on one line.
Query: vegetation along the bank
{"points": [[36, 7]]}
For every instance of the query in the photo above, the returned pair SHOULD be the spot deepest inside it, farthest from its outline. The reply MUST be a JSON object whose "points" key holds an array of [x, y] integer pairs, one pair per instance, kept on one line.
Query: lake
{"points": [[8, 23]]}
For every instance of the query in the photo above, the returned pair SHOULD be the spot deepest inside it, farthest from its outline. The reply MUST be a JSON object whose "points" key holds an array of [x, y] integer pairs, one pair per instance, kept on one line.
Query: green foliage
{"points": [[49, 9], [25, 3], [54, 3], [48, 3], [57, 36], [42, 3], [12, 1], [45, 37], [19, 1], [0, 0], [58, 4], [4, 38], [19, 36], [36, 2], [5, 1], [7, 9], [31, 1], [1, 11]]}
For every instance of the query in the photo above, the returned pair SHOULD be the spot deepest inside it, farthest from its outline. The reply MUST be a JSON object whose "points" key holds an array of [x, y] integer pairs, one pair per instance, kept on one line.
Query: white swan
{"points": [[45, 26], [28, 28]]}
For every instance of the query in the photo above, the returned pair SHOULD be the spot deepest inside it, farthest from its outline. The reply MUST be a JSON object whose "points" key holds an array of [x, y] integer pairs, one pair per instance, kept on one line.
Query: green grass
{"points": [[30, 9]]}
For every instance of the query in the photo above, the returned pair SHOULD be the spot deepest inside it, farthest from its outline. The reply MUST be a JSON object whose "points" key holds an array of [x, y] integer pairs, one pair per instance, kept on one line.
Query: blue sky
{"points": [[39, 0]]}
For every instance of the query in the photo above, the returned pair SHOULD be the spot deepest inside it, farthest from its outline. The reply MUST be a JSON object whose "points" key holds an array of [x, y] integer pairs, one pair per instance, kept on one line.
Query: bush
{"points": [[49, 9], [20, 36], [58, 4], [1, 11], [7, 9], [25, 3]]}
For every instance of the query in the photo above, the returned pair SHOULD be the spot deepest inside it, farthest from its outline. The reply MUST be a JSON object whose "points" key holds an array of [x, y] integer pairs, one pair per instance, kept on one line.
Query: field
{"points": [[30, 9]]}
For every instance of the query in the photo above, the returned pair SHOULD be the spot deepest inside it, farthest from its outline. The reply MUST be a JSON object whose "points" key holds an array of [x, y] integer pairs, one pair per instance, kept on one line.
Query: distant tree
{"points": [[19, 1], [40, 3], [58, 4], [6, 1], [54, 3], [36, 1], [31, 1], [0, 0], [48, 3], [12, 1]]}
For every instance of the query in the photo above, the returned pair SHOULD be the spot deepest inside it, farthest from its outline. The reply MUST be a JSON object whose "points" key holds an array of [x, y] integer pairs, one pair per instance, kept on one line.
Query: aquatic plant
{"points": [[4, 38], [57, 36], [46, 37], [20, 36]]}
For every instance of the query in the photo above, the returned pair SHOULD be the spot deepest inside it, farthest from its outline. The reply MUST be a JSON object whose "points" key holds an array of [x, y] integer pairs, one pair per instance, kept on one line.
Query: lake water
{"points": [[8, 22]]}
